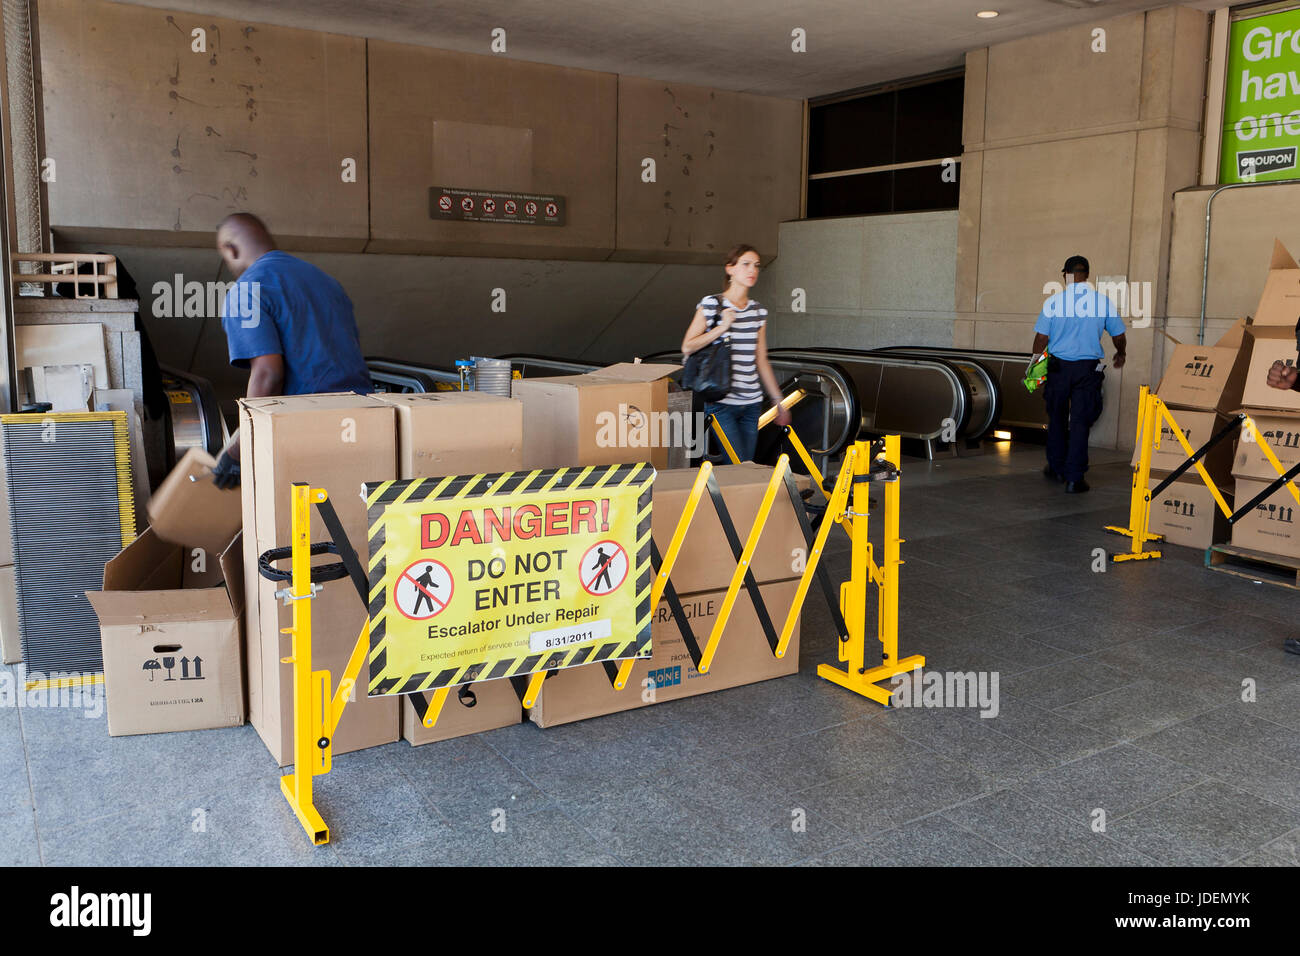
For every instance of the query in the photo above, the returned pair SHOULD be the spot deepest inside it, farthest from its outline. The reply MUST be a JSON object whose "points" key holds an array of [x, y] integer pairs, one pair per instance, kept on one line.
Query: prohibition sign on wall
{"points": [[423, 590], [603, 568]]}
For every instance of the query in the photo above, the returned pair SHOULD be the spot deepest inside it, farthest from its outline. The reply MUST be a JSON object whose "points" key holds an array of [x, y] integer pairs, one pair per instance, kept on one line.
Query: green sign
{"points": [[1261, 100]]}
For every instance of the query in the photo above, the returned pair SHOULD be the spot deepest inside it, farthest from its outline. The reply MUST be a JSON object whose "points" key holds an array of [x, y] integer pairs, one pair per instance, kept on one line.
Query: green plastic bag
{"points": [[1036, 374]]}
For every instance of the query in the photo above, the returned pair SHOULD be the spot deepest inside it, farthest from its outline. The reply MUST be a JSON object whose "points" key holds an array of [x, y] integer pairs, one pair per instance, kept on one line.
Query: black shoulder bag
{"points": [[708, 371]]}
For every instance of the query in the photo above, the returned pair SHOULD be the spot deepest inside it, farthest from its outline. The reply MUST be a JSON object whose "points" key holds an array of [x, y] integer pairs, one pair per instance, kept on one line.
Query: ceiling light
{"points": [[987, 14]]}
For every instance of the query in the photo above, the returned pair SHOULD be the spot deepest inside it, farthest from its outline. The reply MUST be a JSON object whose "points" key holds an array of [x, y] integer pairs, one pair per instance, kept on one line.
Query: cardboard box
{"points": [[612, 416], [457, 433], [743, 657], [1198, 427], [1186, 513], [1281, 431], [1280, 302], [172, 656], [189, 510], [1271, 525], [1235, 337], [472, 709], [1207, 378], [1266, 346], [706, 561], [11, 637], [335, 442]]}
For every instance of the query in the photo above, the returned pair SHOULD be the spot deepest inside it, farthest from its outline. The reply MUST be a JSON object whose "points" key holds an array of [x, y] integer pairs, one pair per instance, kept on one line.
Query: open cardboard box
{"points": [[172, 655], [612, 416], [1281, 430], [1267, 345], [1271, 526], [189, 510], [1280, 302], [1186, 513], [1208, 378]]}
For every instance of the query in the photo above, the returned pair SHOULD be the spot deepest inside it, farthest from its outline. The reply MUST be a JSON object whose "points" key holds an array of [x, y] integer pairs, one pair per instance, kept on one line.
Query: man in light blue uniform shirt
{"points": [[286, 321], [1070, 329]]}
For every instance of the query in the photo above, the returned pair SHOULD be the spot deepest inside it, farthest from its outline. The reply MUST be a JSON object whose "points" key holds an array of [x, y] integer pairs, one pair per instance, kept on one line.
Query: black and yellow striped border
{"points": [[542, 481]]}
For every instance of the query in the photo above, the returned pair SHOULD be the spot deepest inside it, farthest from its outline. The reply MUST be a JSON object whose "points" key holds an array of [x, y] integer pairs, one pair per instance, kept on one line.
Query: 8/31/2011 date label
{"points": [[568, 636]]}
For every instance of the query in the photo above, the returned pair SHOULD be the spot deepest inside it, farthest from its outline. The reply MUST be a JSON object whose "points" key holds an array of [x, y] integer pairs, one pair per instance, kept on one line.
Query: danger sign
{"points": [[453, 204], [603, 568], [424, 584], [478, 577]]}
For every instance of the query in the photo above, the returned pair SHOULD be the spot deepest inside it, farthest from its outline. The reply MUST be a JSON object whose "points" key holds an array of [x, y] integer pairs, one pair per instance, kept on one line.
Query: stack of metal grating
{"points": [[71, 505]]}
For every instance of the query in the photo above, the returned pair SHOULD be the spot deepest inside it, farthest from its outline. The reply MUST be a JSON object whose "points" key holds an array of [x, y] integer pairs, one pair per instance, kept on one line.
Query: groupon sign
{"points": [[1261, 110]]}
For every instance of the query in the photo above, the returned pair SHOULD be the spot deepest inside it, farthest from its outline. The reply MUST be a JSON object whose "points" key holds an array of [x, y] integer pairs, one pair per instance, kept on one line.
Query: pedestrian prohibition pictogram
{"points": [[423, 590], [603, 568]]}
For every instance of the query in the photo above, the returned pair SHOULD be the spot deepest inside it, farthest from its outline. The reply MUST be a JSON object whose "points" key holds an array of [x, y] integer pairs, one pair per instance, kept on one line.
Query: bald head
{"points": [[241, 239]]}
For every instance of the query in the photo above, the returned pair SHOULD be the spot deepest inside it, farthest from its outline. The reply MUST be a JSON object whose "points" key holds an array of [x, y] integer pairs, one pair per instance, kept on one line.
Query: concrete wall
{"points": [[869, 281], [267, 118], [1070, 149]]}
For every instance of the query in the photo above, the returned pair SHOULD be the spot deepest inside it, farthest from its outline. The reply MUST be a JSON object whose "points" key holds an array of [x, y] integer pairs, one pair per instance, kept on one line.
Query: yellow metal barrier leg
{"points": [[857, 677], [726, 442], [1140, 496], [308, 703]]}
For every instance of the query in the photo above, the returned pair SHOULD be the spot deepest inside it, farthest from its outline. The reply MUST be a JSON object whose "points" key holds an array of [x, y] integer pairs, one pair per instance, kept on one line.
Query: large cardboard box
{"points": [[1271, 525], [172, 656], [1208, 378], [1197, 427], [189, 510], [335, 442], [1281, 431], [1186, 513], [11, 638], [611, 416], [706, 561], [472, 709], [1280, 302], [1266, 346], [743, 657], [457, 433]]}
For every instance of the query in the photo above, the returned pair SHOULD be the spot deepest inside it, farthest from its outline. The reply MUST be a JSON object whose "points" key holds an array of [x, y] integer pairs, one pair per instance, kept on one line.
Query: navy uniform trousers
{"points": [[1073, 396]]}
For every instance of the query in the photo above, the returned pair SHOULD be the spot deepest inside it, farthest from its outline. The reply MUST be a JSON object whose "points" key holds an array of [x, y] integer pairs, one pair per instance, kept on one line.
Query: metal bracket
{"points": [[284, 595]]}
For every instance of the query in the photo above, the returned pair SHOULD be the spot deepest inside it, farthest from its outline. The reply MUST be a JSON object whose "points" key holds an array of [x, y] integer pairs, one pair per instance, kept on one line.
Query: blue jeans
{"points": [[740, 425], [1073, 396]]}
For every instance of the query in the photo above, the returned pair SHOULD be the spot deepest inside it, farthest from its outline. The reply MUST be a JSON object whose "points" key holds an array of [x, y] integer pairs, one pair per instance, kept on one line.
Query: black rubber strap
{"points": [[1272, 487], [345, 552], [827, 588], [319, 572], [420, 702], [1200, 453], [751, 584]]}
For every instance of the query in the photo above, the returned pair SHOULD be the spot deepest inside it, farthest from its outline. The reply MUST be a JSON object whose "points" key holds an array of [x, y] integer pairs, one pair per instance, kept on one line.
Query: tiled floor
{"points": [[1121, 734]]}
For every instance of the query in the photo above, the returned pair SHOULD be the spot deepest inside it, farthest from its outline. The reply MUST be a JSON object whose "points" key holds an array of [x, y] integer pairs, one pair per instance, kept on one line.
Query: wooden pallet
{"points": [[101, 282], [1254, 565]]}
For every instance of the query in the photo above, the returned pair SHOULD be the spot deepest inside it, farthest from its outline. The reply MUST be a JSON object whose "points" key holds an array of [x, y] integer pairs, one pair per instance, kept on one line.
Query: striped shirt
{"points": [[743, 336]]}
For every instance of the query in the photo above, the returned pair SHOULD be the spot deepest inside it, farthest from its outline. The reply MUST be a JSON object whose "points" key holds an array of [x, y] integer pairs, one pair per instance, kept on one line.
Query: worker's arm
{"points": [[1121, 343], [265, 378], [1040, 343], [696, 335], [769, 377]]}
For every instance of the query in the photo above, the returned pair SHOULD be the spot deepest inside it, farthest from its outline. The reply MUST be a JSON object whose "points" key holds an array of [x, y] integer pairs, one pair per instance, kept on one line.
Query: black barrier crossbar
{"points": [[1273, 486], [1200, 453], [678, 612], [837, 618], [751, 583]]}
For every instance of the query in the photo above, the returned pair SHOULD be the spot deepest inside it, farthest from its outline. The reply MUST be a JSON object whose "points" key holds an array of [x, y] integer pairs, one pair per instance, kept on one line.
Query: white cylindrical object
{"points": [[492, 376]]}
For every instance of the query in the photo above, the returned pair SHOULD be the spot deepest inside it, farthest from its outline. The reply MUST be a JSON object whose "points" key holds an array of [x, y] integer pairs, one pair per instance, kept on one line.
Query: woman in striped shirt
{"points": [[735, 315]]}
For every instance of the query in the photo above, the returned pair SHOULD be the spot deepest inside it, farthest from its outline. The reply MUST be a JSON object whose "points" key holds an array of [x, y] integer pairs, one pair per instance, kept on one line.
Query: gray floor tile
{"points": [[892, 792], [1119, 781], [18, 845], [974, 743], [465, 779], [1286, 848], [548, 838], [1040, 835], [1211, 823], [1139, 708], [1047, 731], [1235, 762], [1231, 631], [827, 754], [373, 812], [1056, 685], [1260, 858]]}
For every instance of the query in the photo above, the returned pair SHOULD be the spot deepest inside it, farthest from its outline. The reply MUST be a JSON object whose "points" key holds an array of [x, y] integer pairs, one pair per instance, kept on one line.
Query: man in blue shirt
{"points": [[286, 321], [1070, 328]]}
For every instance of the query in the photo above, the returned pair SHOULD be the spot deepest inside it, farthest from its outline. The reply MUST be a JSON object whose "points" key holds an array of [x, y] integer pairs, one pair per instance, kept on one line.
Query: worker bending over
{"points": [[286, 321]]}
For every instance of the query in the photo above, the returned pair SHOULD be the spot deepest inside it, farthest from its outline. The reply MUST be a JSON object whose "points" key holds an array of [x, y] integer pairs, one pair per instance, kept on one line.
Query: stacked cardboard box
{"points": [[700, 576], [1201, 386], [457, 433], [1270, 527]]}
